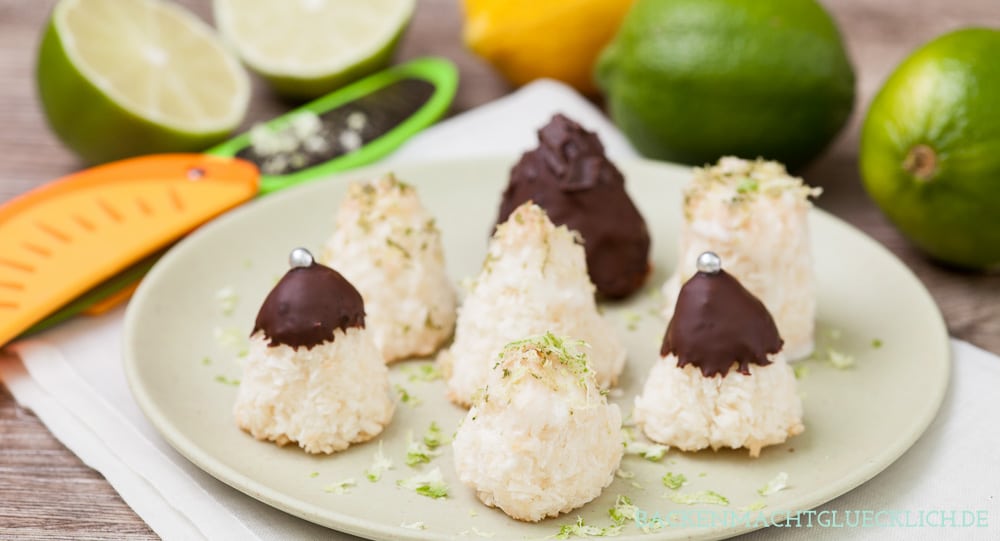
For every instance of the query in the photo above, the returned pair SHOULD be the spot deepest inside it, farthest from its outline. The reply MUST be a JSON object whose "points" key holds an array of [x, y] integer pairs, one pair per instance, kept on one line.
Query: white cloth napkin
{"points": [[73, 379]]}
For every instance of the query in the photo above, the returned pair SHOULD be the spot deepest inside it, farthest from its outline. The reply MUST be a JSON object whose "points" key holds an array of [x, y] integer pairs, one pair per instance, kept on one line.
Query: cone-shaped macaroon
{"points": [[723, 380], [313, 375], [534, 280], [387, 245], [754, 215], [569, 176], [541, 438]]}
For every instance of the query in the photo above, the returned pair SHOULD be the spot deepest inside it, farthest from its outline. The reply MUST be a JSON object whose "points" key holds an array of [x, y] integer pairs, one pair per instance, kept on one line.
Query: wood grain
{"points": [[46, 492]]}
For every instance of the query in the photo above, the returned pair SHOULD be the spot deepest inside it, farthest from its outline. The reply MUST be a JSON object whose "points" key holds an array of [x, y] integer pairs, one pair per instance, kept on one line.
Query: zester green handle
{"points": [[438, 71]]}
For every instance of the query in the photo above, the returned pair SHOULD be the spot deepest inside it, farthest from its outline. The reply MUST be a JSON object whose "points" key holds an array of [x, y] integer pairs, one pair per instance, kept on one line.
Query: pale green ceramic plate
{"points": [[182, 348]]}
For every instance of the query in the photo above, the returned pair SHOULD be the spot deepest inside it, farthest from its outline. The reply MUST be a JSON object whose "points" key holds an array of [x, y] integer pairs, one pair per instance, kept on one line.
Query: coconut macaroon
{"points": [[541, 438], [753, 214], [387, 245], [313, 375], [534, 280], [723, 380]]}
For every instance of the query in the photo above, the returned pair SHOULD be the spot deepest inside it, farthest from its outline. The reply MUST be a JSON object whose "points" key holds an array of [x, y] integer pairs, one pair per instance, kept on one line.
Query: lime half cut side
{"points": [[120, 78], [307, 48]]}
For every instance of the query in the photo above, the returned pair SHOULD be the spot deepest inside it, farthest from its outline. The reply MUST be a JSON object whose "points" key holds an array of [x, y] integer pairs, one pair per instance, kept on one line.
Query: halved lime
{"points": [[307, 48], [120, 78]]}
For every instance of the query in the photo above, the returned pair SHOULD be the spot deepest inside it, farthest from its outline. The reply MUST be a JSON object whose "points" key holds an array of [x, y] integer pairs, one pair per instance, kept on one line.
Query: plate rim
{"points": [[191, 451]]}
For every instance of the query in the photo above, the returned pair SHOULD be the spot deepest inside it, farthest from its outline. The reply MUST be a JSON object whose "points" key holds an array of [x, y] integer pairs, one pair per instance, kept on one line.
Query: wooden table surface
{"points": [[45, 491]]}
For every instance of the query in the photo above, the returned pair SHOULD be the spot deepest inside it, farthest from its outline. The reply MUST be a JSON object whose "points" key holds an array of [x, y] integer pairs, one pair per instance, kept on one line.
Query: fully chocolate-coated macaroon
{"points": [[569, 176]]}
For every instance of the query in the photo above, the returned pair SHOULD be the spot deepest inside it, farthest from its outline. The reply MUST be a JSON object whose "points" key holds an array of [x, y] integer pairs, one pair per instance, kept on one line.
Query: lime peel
{"points": [[182, 91]]}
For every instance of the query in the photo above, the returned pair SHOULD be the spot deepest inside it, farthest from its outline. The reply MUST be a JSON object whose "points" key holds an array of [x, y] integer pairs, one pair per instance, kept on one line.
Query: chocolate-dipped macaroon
{"points": [[308, 305], [313, 375], [569, 176], [755, 216], [722, 380]]}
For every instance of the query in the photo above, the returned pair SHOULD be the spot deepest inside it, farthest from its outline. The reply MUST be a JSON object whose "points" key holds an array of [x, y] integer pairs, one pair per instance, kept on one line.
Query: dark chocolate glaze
{"points": [[569, 176], [307, 305], [716, 323]]}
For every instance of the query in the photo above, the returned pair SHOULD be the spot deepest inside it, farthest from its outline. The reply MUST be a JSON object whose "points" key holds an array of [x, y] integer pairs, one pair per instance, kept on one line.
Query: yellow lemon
{"points": [[530, 39]]}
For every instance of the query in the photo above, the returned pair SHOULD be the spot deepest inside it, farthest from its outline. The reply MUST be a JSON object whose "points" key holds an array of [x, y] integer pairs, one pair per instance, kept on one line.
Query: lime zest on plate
{"points": [[779, 482], [755, 506], [632, 320], [433, 437], [624, 474], [424, 372], [582, 529], [623, 510], [407, 398], [840, 361], [229, 338], [653, 452], [418, 452], [800, 370], [380, 464], [227, 299], [221, 378], [674, 481], [430, 484], [703, 496], [476, 531], [340, 487]]}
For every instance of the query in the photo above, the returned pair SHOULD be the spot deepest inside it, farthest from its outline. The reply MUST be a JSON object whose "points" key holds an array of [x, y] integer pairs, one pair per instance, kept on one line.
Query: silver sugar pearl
{"points": [[300, 257], [709, 262]]}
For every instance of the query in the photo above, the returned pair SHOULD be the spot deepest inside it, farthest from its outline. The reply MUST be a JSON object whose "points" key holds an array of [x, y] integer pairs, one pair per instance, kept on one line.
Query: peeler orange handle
{"points": [[59, 240]]}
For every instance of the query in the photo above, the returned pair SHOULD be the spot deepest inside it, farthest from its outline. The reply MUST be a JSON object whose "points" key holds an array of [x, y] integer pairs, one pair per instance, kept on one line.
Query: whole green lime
{"points": [[693, 80], [930, 148]]}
